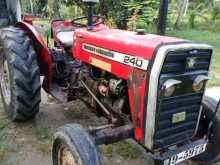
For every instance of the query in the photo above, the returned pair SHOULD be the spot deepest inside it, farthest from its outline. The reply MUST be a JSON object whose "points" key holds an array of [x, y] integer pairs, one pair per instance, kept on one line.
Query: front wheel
{"points": [[212, 153], [74, 146]]}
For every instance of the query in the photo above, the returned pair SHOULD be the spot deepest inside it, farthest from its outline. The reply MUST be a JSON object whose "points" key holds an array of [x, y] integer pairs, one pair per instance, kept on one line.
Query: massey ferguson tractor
{"points": [[149, 87]]}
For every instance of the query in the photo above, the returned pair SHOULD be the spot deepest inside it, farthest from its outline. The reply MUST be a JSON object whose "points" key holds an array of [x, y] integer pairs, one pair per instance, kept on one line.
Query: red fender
{"points": [[43, 55], [136, 92]]}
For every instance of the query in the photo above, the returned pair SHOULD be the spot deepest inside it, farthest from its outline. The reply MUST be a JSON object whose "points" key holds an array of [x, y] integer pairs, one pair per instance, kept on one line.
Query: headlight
{"points": [[169, 87], [199, 83], [169, 91]]}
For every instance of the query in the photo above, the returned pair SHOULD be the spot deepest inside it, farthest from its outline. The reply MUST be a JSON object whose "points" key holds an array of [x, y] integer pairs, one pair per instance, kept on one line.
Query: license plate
{"points": [[189, 153]]}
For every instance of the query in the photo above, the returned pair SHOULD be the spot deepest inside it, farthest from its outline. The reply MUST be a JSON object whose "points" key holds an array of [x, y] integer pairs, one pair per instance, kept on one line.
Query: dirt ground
{"points": [[30, 143]]}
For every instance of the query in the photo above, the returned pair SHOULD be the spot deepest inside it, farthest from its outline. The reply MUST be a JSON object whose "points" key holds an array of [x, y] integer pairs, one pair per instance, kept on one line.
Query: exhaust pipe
{"points": [[90, 4]]}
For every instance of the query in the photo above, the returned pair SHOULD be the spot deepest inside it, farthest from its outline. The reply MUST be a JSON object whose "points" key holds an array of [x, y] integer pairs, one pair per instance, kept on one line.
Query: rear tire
{"points": [[212, 153], [74, 146], [20, 76]]}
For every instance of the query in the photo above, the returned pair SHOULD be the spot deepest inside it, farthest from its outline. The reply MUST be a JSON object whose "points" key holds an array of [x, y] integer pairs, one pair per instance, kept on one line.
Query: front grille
{"points": [[176, 61], [183, 100]]}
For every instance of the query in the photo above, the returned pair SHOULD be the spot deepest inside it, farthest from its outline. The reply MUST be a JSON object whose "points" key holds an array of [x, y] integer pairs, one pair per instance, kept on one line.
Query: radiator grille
{"points": [[176, 61], [184, 100]]}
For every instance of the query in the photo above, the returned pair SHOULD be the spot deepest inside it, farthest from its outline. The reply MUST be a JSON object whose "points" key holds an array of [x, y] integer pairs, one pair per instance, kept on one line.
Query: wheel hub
{"points": [[65, 157], [5, 82]]}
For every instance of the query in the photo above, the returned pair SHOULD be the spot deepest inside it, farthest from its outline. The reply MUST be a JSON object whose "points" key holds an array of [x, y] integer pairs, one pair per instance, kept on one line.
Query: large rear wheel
{"points": [[20, 76]]}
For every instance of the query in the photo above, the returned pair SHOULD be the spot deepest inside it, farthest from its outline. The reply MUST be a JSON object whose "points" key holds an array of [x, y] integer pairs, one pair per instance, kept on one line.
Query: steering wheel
{"points": [[96, 21]]}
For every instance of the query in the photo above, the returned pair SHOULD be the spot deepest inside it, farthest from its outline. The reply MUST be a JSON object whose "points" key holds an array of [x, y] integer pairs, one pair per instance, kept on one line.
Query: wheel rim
{"points": [[5, 82], [65, 157]]}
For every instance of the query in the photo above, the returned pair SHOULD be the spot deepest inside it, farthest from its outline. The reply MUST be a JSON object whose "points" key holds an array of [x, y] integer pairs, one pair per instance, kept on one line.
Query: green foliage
{"points": [[117, 11], [39, 6], [70, 11], [200, 12], [214, 7], [142, 13], [124, 12], [133, 14]]}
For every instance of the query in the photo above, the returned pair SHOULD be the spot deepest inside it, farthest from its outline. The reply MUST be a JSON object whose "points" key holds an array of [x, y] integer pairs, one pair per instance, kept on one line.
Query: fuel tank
{"points": [[117, 51]]}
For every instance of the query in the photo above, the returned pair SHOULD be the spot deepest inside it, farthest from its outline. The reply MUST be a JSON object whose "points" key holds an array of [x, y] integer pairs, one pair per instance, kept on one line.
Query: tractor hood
{"points": [[126, 42], [130, 49]]}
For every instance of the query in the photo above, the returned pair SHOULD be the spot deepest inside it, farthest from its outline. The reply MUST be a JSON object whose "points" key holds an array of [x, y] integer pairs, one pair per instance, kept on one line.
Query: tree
{"points": [[197, 8], [182, 8], [118, 12], [31, 5], [142, 13], [214, 6], [56, 9]]}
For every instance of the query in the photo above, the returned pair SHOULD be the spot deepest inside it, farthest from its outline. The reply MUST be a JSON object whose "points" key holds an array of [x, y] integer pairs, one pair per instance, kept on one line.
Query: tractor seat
{"points": [[66, 37]]}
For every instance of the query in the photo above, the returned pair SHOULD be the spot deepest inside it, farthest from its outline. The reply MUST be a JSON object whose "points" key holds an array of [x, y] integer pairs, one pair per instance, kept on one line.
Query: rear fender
{"points": [[43, 56]]}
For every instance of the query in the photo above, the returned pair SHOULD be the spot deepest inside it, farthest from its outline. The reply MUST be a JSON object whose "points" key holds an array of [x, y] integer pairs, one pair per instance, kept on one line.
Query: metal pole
{"points": [[161, 27]]}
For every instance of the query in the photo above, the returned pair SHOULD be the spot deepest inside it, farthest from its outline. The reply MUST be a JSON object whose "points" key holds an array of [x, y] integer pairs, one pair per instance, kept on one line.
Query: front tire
{"points": [[74, 146], [20, 76], [212, 153]]}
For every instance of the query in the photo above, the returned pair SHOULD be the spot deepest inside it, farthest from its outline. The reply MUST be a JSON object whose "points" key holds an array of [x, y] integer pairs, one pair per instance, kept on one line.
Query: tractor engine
{"points": [[106, 87]]}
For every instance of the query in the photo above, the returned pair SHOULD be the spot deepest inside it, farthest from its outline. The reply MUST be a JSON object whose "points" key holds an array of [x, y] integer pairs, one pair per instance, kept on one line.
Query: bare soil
{"points": [[30, 143]]}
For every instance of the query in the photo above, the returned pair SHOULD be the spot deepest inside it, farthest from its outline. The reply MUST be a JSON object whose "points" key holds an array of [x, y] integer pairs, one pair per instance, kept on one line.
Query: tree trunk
{"points": [[31, 6], [192, 20], [181, 12], [56, 9]]}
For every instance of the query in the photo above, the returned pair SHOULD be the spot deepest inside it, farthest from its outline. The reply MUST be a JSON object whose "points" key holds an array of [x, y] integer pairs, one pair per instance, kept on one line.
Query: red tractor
{"points": [[149, 87]]}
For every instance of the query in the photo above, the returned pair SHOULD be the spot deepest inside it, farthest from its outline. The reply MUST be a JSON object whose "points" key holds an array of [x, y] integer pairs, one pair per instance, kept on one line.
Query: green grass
{"points": [[4, 128], [44, 139], [209, 37], [4, 124], [123, 149], [5, 149], [43, 133]]}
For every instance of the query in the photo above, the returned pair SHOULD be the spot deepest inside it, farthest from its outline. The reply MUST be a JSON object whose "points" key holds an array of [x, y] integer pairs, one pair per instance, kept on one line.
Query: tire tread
{"points": [[26, 73]]}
